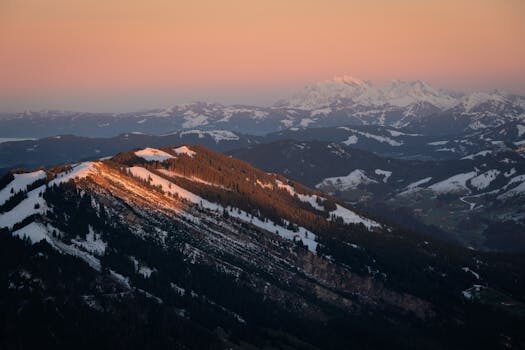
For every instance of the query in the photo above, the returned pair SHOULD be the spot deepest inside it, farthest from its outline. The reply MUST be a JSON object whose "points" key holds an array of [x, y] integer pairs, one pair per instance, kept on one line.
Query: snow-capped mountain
{"points": [[186, 248], [411, 104], [405, 93], [338, 90], [347, 89]]}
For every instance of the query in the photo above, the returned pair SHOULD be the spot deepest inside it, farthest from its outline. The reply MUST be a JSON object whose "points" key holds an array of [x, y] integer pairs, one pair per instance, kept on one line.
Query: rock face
{"points": [[184, 247]]}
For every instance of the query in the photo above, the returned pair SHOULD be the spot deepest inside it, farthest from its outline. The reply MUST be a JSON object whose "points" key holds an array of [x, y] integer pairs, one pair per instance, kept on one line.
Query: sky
{"points": [[116, 55]]}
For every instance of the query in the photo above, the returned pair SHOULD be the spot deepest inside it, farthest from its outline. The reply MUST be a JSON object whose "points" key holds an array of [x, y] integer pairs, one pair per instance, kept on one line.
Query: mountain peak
{"points": [[473, 100], [398, 93], [347, 79]]}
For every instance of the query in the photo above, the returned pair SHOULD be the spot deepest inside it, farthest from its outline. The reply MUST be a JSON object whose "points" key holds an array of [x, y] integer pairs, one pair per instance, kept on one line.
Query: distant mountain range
{"points": [[347, 89], [416, 106], [384, 141], [69, 148]]}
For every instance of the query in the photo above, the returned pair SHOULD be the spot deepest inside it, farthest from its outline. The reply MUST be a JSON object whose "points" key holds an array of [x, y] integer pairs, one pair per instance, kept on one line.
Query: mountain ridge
{"points": [[397, 93], [341, 101]]}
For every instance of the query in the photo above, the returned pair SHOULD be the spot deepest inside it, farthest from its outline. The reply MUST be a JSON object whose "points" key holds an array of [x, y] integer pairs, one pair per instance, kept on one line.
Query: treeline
{"points": [[72, 210], [235, 183]]}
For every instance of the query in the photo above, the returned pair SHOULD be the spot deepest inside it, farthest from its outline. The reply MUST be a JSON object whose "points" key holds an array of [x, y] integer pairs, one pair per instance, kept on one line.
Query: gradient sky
{"points": [[115, 55]]}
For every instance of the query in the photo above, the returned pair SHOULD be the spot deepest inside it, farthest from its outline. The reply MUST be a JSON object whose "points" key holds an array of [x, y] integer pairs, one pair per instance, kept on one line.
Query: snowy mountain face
{"points": [[402, 94], [409, 104], [347, 89], [327, 93], [182, 247]]}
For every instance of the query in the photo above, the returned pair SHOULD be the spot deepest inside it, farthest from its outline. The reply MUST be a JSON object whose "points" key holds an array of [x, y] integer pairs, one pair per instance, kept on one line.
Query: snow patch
{"points": [[73, 250], [14, 139], [33, 204], [382, 139], [521, 129], [141, 268], [305, 122], [414, 186], [153, 155], [320, 111], [350, 181], [351, 140], [516, 191], [456, 183], [483, 181], [479, 154], [310, 199], [349, 217], [467, 269], [93, 243], [395, 133], [184, 150], [36, 232], [20, 183], [472, 292], [418, 183], [385, 173], [437, 143], [193, 120], [216, 135], [162, 113], [264, 185], [510, 172], [78, 171], [191, 178]]}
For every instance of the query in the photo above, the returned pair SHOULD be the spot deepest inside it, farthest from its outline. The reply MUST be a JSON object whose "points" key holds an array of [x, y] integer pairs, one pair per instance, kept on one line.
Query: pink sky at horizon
{"points": [[123, 55]]}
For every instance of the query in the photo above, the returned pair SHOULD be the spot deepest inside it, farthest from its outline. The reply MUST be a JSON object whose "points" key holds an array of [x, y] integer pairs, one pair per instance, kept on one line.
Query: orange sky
{"points": [[113, 54]]}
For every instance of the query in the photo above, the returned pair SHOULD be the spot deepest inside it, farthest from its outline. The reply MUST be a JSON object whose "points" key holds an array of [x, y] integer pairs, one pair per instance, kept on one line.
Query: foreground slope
{"points": [[184, 247]]}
